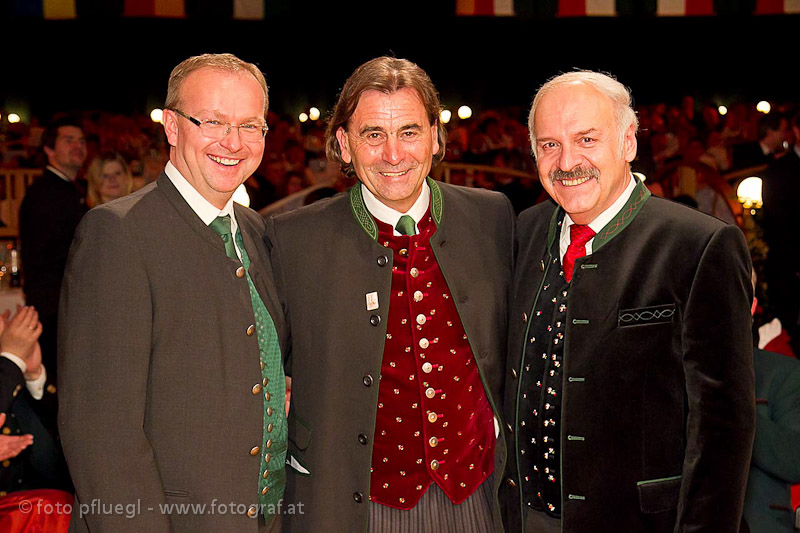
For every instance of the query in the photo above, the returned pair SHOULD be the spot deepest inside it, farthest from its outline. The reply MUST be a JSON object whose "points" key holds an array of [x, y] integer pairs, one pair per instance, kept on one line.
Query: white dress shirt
{"points": [[390, 216]]}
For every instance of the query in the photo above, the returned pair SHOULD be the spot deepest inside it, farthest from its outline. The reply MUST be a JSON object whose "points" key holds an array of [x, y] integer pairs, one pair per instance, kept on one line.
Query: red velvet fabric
{"points": [[434, 422], [36, 511]]}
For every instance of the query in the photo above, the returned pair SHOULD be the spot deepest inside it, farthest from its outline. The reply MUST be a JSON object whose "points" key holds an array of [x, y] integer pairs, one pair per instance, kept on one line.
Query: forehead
{"points": [[69, 131], [220, 90], [390, 109], [573, 108]]}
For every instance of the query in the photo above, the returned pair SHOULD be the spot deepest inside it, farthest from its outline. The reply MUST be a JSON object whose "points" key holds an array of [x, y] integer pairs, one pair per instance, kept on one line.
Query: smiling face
{"points": [[216, 167], [391, 143], [581, 163]]}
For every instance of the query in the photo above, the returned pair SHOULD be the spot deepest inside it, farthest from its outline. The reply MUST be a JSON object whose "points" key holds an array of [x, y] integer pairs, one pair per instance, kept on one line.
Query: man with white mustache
{"points": [[629, 387], [396, 297]]}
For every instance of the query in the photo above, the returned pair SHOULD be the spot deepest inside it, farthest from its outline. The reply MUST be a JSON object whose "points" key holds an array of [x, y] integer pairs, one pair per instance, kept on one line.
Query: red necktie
{"points": [[579, 235]]}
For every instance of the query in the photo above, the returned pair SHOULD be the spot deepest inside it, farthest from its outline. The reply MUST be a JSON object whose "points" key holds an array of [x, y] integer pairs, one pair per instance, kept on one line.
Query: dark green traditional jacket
{"points": [[656, 418], [327, 260]]}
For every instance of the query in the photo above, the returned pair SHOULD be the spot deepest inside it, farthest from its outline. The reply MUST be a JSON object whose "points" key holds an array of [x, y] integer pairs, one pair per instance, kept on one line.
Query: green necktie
{"points": [[272, 473], [406, 226], [222, 225]]}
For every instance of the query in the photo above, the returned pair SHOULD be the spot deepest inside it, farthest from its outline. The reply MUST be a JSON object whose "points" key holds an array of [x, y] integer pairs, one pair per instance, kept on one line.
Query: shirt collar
{"points": [[599, 222], [390, 216], [58, 173], [202, 207]]}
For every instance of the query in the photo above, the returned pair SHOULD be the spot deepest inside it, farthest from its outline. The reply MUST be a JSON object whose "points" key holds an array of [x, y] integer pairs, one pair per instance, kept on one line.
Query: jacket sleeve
{"points": [[777, 446], [718, 365], [104, 361]]}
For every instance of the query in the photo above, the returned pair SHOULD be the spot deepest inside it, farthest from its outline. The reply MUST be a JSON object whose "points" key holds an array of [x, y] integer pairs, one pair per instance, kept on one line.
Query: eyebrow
{"points": [[586, 132], [370, 129]]}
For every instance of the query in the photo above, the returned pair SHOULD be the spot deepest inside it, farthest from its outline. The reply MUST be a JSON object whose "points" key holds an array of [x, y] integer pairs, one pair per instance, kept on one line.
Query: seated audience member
{"points": [[773, 131], [109, 178], [33, 474]]}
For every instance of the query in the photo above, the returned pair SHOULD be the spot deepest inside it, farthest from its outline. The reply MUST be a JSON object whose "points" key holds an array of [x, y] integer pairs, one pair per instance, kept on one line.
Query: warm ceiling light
{"points": [[749, 193], [303, 117], [722, 110], [313, 113], [445, 116], [157, 115], [464, 112], [13, 118], [763, 106]]}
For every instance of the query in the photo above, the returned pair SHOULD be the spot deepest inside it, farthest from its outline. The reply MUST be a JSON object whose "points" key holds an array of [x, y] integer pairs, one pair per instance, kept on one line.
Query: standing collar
{"points": [[606, 216], [390, 216], [202, 207]]}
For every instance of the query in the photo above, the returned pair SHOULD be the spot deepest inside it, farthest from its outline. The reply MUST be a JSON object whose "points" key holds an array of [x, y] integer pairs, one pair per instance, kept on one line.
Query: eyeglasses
{"points": [[216, 129]]}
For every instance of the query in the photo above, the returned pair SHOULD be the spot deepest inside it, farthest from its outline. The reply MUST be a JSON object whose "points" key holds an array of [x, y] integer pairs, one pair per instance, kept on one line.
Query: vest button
{"points": [[432, 417], [264, 491], [270, 427], [382, 261], [424, 343], [375, 320], [433, 442], [414, 272], [421, 319], [403, 253], [367, 380], [427, 367], [270, 410], [240, 272], [434, 465], [418, 296], [362, 439], [430, 392], [358, 497]]}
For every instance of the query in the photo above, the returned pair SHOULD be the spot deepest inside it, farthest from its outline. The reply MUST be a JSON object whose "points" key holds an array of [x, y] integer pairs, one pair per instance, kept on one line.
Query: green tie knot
{"points": [[406, 226], [222, 226]]}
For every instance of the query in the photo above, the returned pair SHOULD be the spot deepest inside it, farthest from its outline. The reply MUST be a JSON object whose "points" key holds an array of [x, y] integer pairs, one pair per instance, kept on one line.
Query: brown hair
{"points": [[225, 62], [386, 75]]}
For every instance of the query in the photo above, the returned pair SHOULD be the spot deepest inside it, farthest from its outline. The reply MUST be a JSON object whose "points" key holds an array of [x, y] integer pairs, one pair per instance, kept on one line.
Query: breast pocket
{"points": [[646, 316]]}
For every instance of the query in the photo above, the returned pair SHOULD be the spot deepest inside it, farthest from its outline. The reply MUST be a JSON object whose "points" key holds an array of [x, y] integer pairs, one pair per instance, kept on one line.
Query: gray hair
{"points": [[606, 85]]}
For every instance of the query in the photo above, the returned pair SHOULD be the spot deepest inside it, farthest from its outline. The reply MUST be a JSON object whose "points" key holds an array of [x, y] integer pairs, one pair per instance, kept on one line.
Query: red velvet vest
{"points": [[434, 422]]}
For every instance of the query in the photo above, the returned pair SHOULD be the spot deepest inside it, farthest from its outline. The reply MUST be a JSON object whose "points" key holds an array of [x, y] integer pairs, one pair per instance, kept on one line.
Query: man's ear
{"points": [[170, 119], [344, 145], [629, 144]]}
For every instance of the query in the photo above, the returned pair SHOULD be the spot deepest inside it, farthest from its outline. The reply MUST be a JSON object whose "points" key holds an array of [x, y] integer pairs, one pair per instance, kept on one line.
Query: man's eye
{"points": [[213, 122], [588, 140], [408, 134], [248, 127]]}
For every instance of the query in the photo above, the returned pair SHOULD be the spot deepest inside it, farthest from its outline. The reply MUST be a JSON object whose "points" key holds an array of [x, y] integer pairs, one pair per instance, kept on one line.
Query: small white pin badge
{"points": [[372, 301]]}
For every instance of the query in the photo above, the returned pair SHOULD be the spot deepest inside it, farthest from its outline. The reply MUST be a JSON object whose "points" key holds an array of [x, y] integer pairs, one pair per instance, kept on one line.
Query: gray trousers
{"points": [[435, 513]]}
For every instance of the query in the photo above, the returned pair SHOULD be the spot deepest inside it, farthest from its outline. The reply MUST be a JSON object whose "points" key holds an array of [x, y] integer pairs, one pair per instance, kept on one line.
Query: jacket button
{"points": [[240, 272], [362, 439], [375, 320], [367, 380], [382, 260], [358, 497], [511, 482], [514, 373], [250, 330], [256, 388], [524, 317], [252, 511], [255, 450]]}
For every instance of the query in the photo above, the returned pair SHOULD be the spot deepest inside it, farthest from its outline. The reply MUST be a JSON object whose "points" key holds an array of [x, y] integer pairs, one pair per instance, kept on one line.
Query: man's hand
{"points": [[20, 337], [12, 446], [288, 398]]}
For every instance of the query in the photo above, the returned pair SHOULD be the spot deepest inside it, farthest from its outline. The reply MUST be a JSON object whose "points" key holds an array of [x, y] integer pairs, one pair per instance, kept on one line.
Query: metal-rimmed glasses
{"points": [[216, 129]]}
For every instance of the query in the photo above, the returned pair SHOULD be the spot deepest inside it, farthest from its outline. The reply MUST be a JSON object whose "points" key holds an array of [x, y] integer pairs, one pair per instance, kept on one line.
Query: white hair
{"points": [[606, 85]]}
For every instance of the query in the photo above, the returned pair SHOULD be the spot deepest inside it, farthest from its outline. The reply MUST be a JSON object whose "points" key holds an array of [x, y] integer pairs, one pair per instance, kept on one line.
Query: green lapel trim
{"points": [[436, 201], [368, 224], [360, 212], [625, 216]]}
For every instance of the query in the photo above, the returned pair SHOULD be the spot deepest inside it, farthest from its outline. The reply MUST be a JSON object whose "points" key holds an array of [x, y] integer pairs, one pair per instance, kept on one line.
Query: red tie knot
{"points": [[580, 234]]}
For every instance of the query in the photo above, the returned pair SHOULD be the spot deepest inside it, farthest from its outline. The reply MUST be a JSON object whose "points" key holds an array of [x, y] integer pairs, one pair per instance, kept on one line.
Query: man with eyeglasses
{"points": [[173, 414], [398, 320]]}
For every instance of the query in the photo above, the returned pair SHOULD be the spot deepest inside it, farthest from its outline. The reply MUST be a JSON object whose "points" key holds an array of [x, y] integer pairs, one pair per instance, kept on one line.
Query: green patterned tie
{"points": [[272, 475], [406, 226]]}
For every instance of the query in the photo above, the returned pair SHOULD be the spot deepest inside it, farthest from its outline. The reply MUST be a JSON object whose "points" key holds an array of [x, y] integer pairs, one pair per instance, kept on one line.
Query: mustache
{"points": [[578, 172]]}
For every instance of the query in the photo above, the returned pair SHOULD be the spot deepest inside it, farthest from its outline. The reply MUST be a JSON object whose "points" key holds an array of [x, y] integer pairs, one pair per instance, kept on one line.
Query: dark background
{"points": [[122, 64]]}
